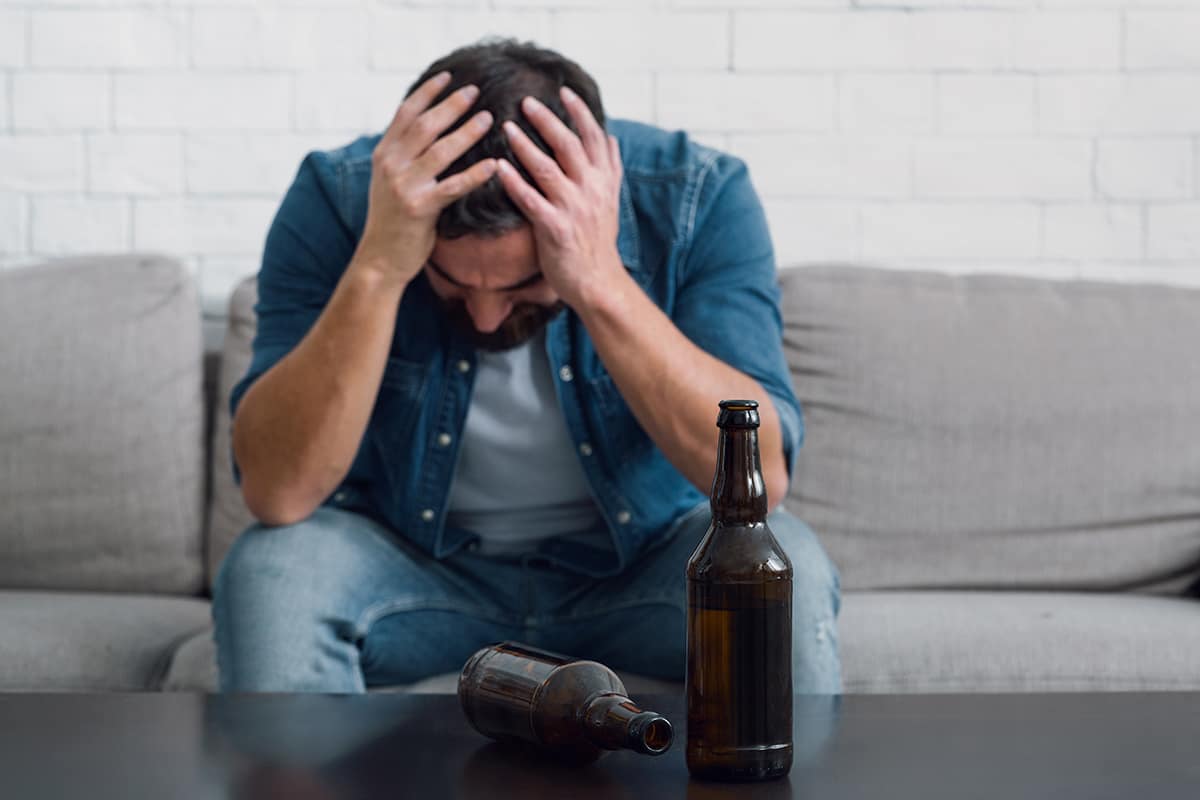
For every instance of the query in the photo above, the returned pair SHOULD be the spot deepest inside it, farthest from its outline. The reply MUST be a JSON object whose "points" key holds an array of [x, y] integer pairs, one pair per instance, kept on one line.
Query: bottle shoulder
{"points": [[739, 554], [572, 684]]}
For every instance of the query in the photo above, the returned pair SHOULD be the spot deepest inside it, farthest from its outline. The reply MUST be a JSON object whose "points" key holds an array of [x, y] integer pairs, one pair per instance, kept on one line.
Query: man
{"points": [[483, 395]]}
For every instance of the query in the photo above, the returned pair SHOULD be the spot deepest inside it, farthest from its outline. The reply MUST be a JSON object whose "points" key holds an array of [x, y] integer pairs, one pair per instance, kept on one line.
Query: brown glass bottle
{"points": [[574, 709], [739, 623]]}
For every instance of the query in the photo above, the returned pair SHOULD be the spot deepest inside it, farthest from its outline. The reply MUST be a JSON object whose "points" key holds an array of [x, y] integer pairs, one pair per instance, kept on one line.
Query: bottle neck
{"points": [[613, 722], [739, 495]]}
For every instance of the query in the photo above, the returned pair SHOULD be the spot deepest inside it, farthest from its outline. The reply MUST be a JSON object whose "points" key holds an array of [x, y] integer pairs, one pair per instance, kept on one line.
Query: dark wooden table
{"points": [[1014, 747]]}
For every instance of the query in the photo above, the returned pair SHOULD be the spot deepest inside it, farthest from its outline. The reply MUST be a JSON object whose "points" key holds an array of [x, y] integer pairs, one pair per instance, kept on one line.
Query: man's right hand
{"points": [[406, 197]]}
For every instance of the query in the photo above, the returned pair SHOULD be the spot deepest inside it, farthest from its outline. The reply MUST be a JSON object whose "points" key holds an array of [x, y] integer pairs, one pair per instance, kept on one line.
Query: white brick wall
{"points": [[1044, 137], [76, 224]]}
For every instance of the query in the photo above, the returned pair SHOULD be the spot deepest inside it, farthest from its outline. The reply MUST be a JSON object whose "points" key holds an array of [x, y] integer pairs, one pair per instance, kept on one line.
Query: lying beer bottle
{"points": [[739, 621], [573, 709]]}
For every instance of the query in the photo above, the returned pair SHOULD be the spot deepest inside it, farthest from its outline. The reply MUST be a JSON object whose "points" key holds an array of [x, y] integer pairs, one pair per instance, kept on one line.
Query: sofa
{"points": [[1006, 471]]}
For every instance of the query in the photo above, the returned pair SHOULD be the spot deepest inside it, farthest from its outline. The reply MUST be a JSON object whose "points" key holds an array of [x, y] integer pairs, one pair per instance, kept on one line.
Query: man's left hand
{"points": [[575, 216]]}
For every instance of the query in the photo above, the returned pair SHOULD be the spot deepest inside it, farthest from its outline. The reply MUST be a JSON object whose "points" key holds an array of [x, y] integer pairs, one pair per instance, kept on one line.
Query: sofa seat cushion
{"points": [[905, 642], [900, 642], [66, 641], [194, 669]]}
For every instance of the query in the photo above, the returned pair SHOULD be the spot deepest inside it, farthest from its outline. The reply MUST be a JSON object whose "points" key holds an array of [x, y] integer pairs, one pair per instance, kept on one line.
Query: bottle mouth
{"points": [[738, 414], [653, 734]]}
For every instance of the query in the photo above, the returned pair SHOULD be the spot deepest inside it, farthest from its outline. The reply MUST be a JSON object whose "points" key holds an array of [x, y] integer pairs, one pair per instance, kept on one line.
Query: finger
{"points": [[446, 151], [544, 169], [414, 104], [426, 128], [568, 150], [590, 132], [527, 198], [465, 182]]}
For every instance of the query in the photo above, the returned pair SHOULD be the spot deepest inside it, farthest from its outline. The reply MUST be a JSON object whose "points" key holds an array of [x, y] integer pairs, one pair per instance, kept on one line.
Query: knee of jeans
{"points": [[263, 557], [816, 581]]}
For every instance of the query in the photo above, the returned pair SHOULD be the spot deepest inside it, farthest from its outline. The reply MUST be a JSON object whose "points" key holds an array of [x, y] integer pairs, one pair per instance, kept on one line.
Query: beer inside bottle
{"points": [[739, 625]]}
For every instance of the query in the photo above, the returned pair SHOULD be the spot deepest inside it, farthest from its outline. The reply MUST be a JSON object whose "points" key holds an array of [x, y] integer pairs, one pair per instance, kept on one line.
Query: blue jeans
{"points": [[338, 603]]}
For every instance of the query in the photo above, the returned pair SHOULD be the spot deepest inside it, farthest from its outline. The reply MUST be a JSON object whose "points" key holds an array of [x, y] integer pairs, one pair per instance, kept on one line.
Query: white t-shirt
{"points": [[518, 480]]}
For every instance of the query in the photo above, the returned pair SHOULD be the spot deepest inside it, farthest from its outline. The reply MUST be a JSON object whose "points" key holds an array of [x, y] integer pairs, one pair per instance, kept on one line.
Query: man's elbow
{"points": [[777, 489], [270, 500], [274, 508]]}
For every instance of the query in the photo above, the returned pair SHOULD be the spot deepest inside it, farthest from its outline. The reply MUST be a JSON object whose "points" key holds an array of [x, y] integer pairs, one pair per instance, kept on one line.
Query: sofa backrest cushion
{"points": [[228, 515], [996, 432], [101, 451]]}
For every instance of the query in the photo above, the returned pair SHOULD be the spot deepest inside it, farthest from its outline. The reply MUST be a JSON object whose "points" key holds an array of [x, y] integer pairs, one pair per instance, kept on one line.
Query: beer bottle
{"points": [[574, 709], [739, 621]]}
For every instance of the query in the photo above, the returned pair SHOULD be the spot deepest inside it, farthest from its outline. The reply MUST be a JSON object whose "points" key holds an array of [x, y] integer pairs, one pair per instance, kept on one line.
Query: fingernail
{"points": [[470, 92], [532, 102], [441, 77], [510, 127], [483, 119], [568, 94]]}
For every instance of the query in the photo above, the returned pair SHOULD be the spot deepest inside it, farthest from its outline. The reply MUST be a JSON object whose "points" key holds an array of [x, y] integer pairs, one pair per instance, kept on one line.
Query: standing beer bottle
{"points": [[571, 708], [739, 621]]}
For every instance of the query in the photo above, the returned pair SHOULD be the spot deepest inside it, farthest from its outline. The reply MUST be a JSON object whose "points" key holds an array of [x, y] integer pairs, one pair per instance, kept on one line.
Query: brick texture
{"points": [[1044, 137]]}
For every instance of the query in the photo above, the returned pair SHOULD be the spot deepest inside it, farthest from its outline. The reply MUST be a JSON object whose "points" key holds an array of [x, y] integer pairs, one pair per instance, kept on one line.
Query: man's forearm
{"points": [[673, 387], [300, 424]]}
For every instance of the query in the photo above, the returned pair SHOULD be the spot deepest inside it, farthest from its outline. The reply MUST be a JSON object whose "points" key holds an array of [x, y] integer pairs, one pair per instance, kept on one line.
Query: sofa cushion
{"points": [[981, 431], [101, 472], [92, 642], [193, 666], [899, 642], [228, 515], [194, 669], [944, 641]]}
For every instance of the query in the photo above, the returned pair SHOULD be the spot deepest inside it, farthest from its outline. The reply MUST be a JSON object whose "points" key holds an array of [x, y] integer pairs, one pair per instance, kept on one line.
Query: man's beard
{"points": [[524, 322]]}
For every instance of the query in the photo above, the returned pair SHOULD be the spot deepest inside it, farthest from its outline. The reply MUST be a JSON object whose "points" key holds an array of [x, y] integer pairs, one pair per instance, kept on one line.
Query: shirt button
{"points": [[339, 497], [585, 448], [623, 517], [427, 515], [565, 373], [473, 547], [444, 439], [464, 366]]}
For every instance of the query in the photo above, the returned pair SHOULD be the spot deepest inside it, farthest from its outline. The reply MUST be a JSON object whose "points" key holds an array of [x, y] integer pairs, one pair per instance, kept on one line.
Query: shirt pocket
{"points": [[401, 392], [620, 432]]}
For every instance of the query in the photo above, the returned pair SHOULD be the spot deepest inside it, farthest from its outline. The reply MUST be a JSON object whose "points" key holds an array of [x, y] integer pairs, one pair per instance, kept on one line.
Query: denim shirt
{"points": [[693, 236]]}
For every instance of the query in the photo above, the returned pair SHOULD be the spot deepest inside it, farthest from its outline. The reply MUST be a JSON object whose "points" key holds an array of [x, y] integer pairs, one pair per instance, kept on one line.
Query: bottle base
{"points": [[743, 764]]}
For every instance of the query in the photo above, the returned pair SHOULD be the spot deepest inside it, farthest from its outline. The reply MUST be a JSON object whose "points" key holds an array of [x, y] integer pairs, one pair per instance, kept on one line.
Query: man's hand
{"points": [[575, 223], [671, 385], [406, 197]]}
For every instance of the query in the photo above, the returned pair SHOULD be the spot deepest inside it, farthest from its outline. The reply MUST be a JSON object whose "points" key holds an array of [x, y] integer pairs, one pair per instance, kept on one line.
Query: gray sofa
{"points": [[1006, 471]]}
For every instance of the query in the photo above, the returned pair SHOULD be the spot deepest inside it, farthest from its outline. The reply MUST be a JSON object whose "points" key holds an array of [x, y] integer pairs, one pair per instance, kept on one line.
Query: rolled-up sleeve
{"points": [[306, 250], [728, 300]]}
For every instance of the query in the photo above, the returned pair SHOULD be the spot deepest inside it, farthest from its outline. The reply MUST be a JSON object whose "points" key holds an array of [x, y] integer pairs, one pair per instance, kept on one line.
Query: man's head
{"points": [[484, 264], [491, 288]]}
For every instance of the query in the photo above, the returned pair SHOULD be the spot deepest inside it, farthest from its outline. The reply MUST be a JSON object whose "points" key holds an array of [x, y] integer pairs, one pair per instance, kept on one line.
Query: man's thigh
{"points": [[340, 599]]}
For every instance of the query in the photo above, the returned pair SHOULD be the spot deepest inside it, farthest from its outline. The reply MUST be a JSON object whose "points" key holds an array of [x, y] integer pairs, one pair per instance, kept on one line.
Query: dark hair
{"points": [[505, 71]]}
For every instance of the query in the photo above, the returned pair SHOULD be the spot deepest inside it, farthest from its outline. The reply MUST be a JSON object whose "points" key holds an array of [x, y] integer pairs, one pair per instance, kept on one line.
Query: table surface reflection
{"points": [[310, 747]]}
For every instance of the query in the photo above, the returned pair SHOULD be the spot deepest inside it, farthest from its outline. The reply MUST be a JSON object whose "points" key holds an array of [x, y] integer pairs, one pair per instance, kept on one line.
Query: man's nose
{"points": [[488, 312]]}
